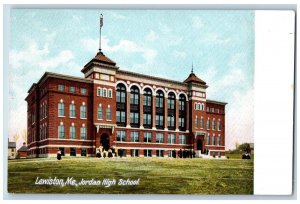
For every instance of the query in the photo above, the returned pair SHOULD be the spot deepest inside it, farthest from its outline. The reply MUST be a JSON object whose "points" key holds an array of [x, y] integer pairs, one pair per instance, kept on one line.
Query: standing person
{"points": [[58, 156], [110, 153], [180, 153], [174, 153], [98, 155]]}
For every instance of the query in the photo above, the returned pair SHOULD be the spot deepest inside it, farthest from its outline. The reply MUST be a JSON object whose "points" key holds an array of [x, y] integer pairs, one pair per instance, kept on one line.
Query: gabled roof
{"points": [[11, 145], [102, 59], [193, 78], [23, 149]]}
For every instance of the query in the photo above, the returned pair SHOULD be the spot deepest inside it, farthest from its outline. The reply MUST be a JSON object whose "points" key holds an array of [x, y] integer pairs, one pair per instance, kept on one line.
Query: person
{"points": [[180, 153], [58, 155], [98, 155], [174, 153], [110, 154], [121, 152], [194, 154], [104, 154]]}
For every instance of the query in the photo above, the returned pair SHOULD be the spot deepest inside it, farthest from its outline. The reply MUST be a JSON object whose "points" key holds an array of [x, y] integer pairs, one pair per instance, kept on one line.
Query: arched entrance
{"points": [[199, 145], [104, 141]]}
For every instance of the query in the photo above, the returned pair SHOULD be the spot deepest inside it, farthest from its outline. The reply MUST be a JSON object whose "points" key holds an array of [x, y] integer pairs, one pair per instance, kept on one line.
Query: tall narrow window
{"points": [[201, 123], [196, 122], [213, 140], [182, 112], [83, 133], [109, 93], [147, 123], [208, 139], [134, 137], [213, 124], [147, 137], [219, 140], [121, 136], [182, 139], [171, 138], [121, 105], [159, 138], [99, 91], [219, 125], [72, 132], [100, 113], [72, 111], [61, 131], [61, 109], [171, 111], [108, 113], [160, 110], [208, 124], [104, 92], [134, 107], [83, 112]]}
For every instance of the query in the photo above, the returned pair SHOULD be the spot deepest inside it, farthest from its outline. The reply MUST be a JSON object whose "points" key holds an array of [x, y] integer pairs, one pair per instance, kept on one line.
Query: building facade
{"points": [[140, 115], [12, 153]]}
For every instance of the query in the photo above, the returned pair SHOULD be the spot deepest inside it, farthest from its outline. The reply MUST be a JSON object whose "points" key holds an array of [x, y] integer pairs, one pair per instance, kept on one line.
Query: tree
{"points": [[244, 147]]}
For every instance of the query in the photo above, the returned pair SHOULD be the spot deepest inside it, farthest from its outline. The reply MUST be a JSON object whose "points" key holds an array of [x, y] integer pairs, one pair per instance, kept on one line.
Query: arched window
{"points": [[182, 112], [208, 139], [147, 120], [61, 109], [171, 111], [72, 132], [121, 105], [61, 131], [208, 124], [159, 110], [83, 112], [134, 107], [72, 111]]}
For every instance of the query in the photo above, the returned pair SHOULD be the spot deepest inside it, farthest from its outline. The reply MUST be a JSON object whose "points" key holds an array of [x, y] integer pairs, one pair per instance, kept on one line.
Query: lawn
{"points": [[157, 175]]}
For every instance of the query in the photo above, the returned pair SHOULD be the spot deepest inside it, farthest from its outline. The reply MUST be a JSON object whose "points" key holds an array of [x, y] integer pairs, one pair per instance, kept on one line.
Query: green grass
{"points": [[157, 175]]}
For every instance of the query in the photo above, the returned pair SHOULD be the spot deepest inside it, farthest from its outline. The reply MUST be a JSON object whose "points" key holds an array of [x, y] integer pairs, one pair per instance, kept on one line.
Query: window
{"points": [[181, 123], [171, 153], [214, 124], [61, 132], [100, 113], [171, 111], [201, 123], [212, 110], [72, 132], [62, 151], [147, 119], [182, 139], [159, 99], [159, 153], [207, 109], [171, 138], [147, 97], [170, 122], [83, 91], [104, 92], [219, 125], [134, 118], [208, 139], [134, 153], [219, 140], [159, 120], [83, 152], [208, 124], [159, 138], [134, 95], [109, 93], [61, 109], [83, 133], [120, 116], [83, 112], [218, 110], [72, 111], [121, 93], [171, 101], [61, 87], [72, 152], [213, 140], [121, 135], [108, 113], [72, 89], [182, 103], [147, 136], [147, 153], [99, 91], [196, 122], [134, 137]]}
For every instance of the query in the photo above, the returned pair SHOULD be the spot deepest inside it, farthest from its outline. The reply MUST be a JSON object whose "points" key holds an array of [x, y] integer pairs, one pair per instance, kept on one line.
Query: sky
{"points": [[164, 43]]}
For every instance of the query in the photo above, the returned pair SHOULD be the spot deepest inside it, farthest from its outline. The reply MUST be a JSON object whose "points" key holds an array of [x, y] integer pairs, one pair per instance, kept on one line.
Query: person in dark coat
{"points": [[180, 153], [184, 154], [194, 154], [98, 154], [120, 153], [174, 153], [58, 156], [110, 153]]}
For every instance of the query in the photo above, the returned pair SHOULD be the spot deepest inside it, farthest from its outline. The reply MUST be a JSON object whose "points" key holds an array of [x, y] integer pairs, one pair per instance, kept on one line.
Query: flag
{"points": [[101, 21]]}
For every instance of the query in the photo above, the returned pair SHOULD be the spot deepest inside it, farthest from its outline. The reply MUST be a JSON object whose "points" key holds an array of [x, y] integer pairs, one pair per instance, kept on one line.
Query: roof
{"points": [[100, 58], [216, 102], [23, 149], [193, 78], [11, 144]]}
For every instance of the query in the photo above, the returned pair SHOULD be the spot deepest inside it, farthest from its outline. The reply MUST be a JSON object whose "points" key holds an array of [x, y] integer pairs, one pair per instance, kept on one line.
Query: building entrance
{"points": [[104, 141], [199, 145]]}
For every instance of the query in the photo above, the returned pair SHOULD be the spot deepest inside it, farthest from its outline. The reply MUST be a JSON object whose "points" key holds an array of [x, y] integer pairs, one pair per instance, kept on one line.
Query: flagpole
{"points": [[101, 24]]}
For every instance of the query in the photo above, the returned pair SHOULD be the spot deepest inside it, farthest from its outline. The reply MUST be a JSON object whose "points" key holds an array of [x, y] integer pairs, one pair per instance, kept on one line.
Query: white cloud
{"points": [[197, 22], [179, 54], [151, 36], [215, 38]]}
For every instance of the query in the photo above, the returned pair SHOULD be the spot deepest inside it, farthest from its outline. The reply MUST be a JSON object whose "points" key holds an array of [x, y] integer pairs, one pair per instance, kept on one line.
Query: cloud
{"points": [[179, 54], [151, 36], [215, 38], [197, 22]]}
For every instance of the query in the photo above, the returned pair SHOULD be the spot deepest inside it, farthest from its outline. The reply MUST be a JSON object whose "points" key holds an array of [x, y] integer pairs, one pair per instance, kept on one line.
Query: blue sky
{"points": [[164, 43]]}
